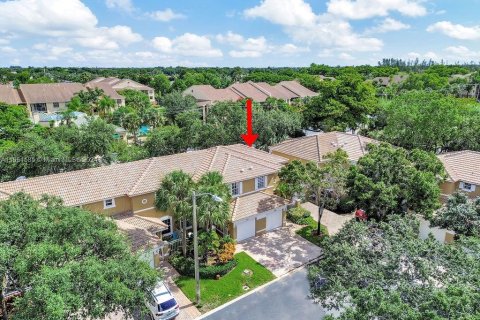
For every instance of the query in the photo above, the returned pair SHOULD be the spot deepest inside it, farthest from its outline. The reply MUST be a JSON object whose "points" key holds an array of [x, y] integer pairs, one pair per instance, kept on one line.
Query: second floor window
{"points": [[108, 203], [260, 183], [236, 188], [467, 187], [56, 105]]}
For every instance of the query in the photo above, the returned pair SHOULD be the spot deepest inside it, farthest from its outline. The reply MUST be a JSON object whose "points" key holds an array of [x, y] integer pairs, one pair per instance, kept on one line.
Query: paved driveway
{"points": [[285, 299], [280, 250], [334, 222]]}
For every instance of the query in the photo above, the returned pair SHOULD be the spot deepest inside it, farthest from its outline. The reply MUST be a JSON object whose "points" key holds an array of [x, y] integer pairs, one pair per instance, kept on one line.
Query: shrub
{"points": [[186, 267], [227, 252], [298, 215]]}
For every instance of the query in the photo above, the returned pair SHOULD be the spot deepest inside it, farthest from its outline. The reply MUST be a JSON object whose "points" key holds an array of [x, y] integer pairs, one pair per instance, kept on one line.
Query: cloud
{"points": [[46, 17], [456, 31], [125, 5], [346, 56], [364, 9], [337, 34], [462, 53], [66, 21], [283, 12], [244, 47], [188, 44], [303, 26], [165, 15], [50, 52], [291, 49], [387, 25]]}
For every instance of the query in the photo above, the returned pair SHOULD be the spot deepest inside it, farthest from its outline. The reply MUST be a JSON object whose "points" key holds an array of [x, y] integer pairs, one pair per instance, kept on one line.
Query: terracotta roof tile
{"points": [[50, 92], [314, 148], [9, 95], [254, 203], [462, 166], [144, 176], [140, 231]]}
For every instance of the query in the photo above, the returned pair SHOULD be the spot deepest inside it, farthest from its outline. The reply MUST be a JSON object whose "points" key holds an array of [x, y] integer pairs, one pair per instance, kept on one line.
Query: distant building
{"points": [[388, 81], [50, 98], [206, 95], [122, 84]]}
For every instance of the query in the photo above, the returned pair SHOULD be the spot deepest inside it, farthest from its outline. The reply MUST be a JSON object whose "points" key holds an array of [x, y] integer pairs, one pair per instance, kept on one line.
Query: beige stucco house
{"points": [[121, 84], [129, 188], [463, 170]]}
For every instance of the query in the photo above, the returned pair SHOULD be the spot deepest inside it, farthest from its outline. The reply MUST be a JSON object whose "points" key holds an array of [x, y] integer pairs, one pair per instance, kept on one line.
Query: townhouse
{"points": [[122, 84], [206, 95], [317, 146], [463, 173], [126, 192]]}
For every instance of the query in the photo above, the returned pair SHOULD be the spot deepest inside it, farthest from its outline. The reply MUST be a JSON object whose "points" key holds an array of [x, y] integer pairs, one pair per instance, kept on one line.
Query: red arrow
{"points": [[250, 137]]}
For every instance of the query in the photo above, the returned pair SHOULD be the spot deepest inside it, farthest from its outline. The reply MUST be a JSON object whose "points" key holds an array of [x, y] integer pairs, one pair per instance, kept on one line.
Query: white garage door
{"points": [[245, 229], [274, 219]]}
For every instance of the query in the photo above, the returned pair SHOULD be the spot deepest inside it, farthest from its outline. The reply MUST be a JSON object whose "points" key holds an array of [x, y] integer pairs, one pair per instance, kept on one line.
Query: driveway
{"points": [[280, 250], [334, 222], [284, 299]]}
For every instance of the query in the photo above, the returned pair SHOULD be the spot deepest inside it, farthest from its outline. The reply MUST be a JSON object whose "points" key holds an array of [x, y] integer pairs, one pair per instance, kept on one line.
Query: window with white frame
{"points": [[236, 188], [260, 182], [56, 105], [108, 203], [465, 186]]}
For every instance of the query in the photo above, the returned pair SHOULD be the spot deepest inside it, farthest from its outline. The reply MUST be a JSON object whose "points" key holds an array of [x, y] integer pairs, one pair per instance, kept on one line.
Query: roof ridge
{"points": [[225, 164], [213, 151], [243, 156], [318, 148], [135, 185], [259, 87]]}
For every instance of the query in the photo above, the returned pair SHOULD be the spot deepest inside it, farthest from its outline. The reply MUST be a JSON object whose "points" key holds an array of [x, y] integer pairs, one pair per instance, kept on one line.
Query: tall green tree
{"points": [[175, 196], [132, 122], [161, 84], [67, 263], [175, 103], [324, 184], [390, 180], [460, 214], [344, 103], [164, 141], [213, 212], [14, 121]]}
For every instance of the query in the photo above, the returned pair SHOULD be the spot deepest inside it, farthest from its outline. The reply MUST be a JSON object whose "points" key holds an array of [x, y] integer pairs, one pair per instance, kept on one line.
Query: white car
{"points": [[162, 304]]}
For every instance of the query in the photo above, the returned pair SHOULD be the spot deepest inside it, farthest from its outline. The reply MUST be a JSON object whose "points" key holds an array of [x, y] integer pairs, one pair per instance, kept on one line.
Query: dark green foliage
{"points": [[461, 215], [175, 103], [298, 215], [14, 121], [389, 180], [67, 261], [382, 270], [185, 266], [164, 141]]}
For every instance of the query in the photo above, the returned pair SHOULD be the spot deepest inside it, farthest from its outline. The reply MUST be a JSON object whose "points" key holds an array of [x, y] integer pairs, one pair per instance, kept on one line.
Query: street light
{"points": [[195, 239]]}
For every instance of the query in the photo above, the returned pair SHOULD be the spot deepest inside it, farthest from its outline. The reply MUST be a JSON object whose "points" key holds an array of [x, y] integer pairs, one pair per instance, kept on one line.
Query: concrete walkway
{"points": [[280, 250], [187, 310], [334, 222]]}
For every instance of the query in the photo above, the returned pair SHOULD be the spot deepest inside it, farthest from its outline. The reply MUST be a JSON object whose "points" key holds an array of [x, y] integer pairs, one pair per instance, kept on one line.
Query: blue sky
{"points": [[247, 33]]}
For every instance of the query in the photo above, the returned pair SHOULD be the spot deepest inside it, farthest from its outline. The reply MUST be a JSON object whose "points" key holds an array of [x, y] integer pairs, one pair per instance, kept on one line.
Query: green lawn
{"points": [[217, 292], [306, 232]]}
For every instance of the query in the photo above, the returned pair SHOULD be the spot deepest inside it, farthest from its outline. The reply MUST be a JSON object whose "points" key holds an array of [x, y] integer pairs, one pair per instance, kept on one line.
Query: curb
{"points": [[223, 306]]}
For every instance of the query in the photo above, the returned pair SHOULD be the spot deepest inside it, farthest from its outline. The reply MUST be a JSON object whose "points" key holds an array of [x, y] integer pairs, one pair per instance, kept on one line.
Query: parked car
{"points": [[162, 304], [361, 215]]}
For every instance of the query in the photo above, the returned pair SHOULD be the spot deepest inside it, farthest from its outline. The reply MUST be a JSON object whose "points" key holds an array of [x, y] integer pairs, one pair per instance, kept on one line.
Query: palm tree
{"points": [[212, 212], [132, 123], [154, 117], [175, 196], [105, 105]]}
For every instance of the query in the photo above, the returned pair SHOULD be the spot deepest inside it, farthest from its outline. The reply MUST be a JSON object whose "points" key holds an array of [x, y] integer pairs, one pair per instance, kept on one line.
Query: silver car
{"points": [[162, 304]]}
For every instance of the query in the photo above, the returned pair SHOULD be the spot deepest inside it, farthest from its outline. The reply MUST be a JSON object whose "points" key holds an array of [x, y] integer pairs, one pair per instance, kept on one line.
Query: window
{"points": [[38, 107], [260, 183], [189, 224], [467, 187], [119, 102], [108, 203], [168, 222], [236, 188], [56, 105]]}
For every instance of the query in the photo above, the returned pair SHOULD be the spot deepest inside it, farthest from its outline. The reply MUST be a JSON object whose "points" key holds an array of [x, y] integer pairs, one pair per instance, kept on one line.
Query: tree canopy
{"points": [[389, 180], [67, 262], [383, 270]]}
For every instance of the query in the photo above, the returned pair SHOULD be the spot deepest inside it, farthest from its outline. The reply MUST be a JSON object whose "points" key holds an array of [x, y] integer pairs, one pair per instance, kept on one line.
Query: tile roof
{"points": [[235, 162], [140, 231], [10, 95], [462, 166], [255, 203], [50, 92], [107, 89], [314, 148], [206, 94], [119, 84]]}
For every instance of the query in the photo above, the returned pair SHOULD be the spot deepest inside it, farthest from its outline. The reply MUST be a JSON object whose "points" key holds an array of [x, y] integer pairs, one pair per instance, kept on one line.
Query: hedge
{"points": [[186, 267]]}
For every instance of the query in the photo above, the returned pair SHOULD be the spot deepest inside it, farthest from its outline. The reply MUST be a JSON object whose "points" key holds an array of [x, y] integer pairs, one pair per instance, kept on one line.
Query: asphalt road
{"points": [[285, 299]]}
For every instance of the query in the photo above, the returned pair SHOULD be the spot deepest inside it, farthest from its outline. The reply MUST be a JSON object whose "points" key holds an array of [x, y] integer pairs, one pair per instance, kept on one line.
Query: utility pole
{"points": [[195, 249]]}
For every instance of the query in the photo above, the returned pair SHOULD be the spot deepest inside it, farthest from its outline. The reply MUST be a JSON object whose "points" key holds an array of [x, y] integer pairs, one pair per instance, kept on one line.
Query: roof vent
{"points": [[242, 170], [250, 168]]}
